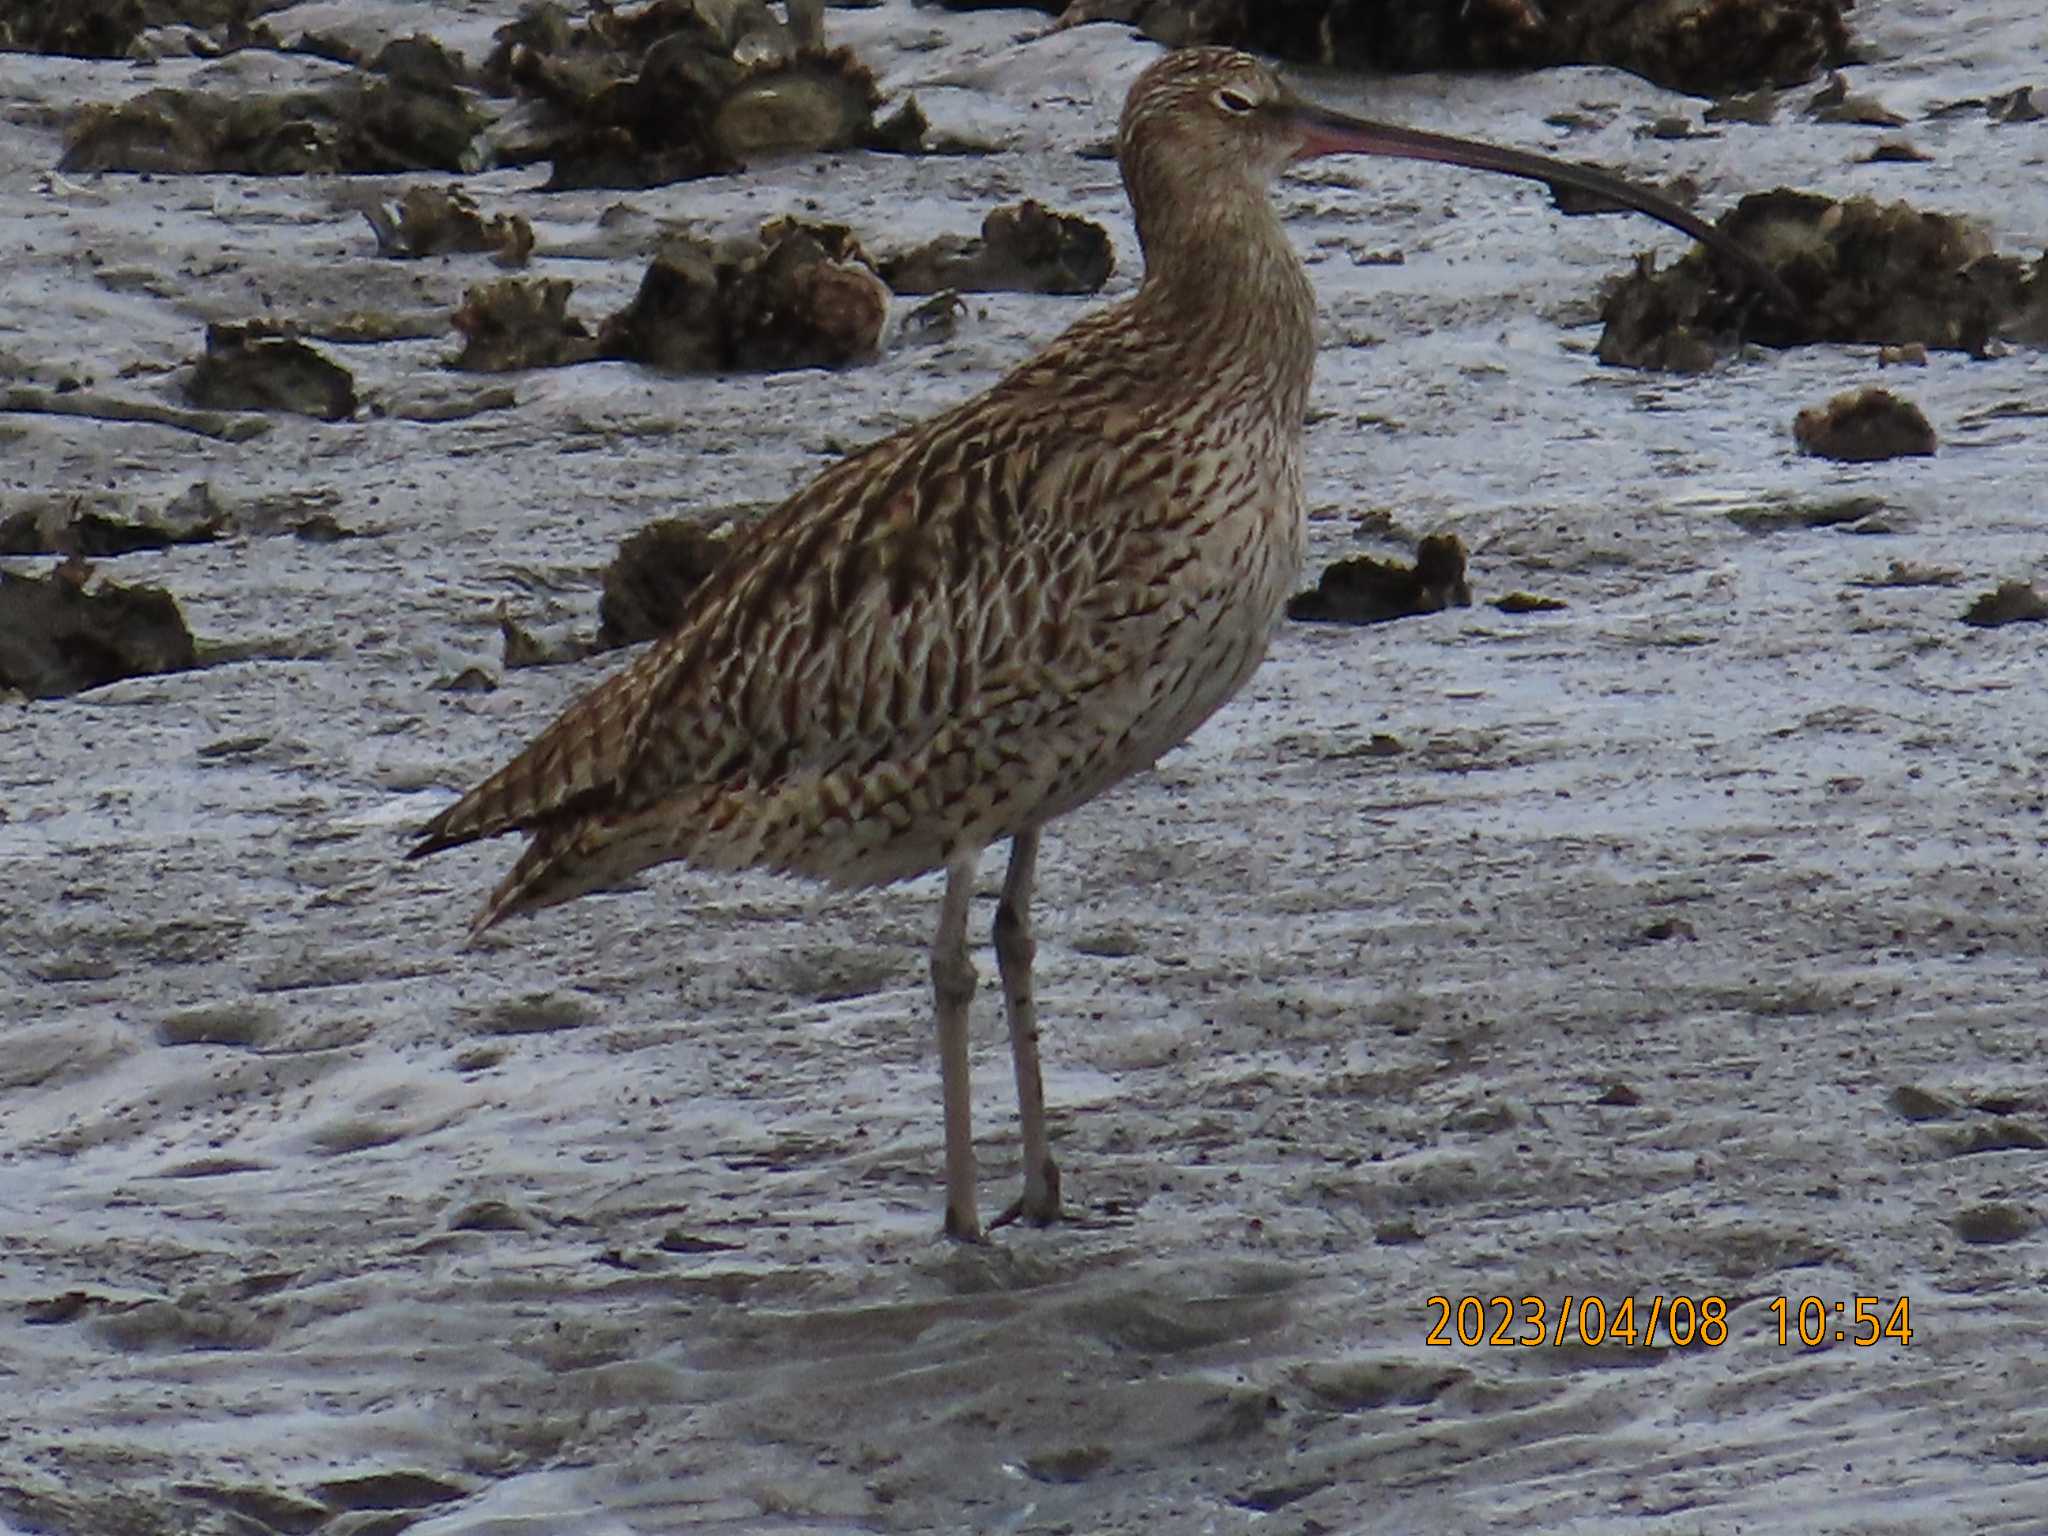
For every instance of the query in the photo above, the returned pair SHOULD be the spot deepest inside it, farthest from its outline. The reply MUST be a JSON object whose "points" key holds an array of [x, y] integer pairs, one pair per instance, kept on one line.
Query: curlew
{"points": [[972, 627]]}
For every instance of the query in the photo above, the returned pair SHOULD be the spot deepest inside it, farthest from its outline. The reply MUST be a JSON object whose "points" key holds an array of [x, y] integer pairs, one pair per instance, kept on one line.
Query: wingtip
{"points": [[430, 841], [434, 835]]}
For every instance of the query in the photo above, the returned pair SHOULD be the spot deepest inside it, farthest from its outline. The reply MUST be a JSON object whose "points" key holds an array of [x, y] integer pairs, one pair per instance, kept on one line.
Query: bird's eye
{"points": [[1234, 101]]}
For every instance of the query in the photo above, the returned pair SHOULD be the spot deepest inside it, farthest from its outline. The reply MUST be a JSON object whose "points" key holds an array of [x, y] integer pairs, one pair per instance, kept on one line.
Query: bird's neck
{"points": [[1222, 279]]}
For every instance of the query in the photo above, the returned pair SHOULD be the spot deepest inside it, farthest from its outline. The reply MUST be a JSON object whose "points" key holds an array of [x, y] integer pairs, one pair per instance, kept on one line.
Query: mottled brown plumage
{"points": [[984, 621]]}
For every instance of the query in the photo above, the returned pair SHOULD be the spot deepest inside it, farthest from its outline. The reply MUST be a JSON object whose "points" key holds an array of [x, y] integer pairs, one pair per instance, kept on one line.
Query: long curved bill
{"points": [[1326, 132]]}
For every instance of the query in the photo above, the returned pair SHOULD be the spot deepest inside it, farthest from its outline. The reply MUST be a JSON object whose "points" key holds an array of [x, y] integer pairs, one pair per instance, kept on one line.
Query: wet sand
{"points": [[1574, 953]]}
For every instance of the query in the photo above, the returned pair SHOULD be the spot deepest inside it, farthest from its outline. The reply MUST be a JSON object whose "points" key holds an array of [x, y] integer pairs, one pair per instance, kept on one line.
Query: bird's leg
{"points": [[952, 993], [1040, 1202]]}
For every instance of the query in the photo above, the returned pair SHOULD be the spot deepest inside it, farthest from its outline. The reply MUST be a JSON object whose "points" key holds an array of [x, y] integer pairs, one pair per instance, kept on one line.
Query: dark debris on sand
{"points": [[59, 638], [103, 525], [1861, 426], [371, 122], [516, 323], [802, 296], [259, 367], [683, 88], [2015, 602], [434, 221], [656, 569], [1863, 272], [1365, 590], [1707, 47], [111, 29], [1023, 247]]}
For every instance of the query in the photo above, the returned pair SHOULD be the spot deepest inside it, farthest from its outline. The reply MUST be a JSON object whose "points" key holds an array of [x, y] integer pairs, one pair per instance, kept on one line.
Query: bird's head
{"points": [[1210, 112], [1211, 122]]}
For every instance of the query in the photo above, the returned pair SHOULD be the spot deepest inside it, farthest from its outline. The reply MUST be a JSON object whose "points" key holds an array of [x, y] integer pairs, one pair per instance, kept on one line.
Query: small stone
{"points": [[1917, 1104], [1529, 602], [1364, 590], [1993, 1223], [1668, 928], [2016, 107], [1074, 1465]]}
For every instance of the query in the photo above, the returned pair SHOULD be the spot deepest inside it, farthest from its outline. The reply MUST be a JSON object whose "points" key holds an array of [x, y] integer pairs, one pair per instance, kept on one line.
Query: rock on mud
{"points": [[1863, 272], [97, 526], [433, 221], [1365, 590], [804, 296], [683, 88], [650, 580], [1707, 47], [256, 367], [112, 29], [1860, 426], [520, 323], [57, 638], [366, 123], [2015, 602], [1023, 247]]}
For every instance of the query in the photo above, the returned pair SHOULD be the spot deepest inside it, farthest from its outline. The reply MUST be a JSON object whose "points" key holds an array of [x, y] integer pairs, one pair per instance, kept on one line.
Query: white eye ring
{"points": [[1234, 101]]}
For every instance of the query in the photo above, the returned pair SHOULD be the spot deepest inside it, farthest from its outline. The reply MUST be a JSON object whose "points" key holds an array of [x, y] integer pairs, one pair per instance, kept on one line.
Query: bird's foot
{"points": [[1040, 1202], [964, 1226]]}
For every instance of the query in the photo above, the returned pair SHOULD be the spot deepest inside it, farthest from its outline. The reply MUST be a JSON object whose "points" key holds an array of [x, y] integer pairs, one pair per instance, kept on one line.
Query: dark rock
{"points": [[651, 578], [432, 221], [524, 648], [255, 368], [1363, 590], [1835, 103], [805, 297], [422, 64], [2016, 107], [407, 112], [56, 638], [1994, 1223], [402, 1489], [677, 320], [1852, 512], [1860, 426], [97, 529], [1023, 248], [1071, 1464], [2015, 602], [520, 323], [110, 29], [681, 89], [369, 125], [1529, 602], [1861, 271], [1918, 1104], [79, 29], [1707, 47]]}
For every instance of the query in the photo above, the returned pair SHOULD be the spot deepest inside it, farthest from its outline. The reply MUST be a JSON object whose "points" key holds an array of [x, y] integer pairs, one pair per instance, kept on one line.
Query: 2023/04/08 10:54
{"points": [[1682, 1321]]}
